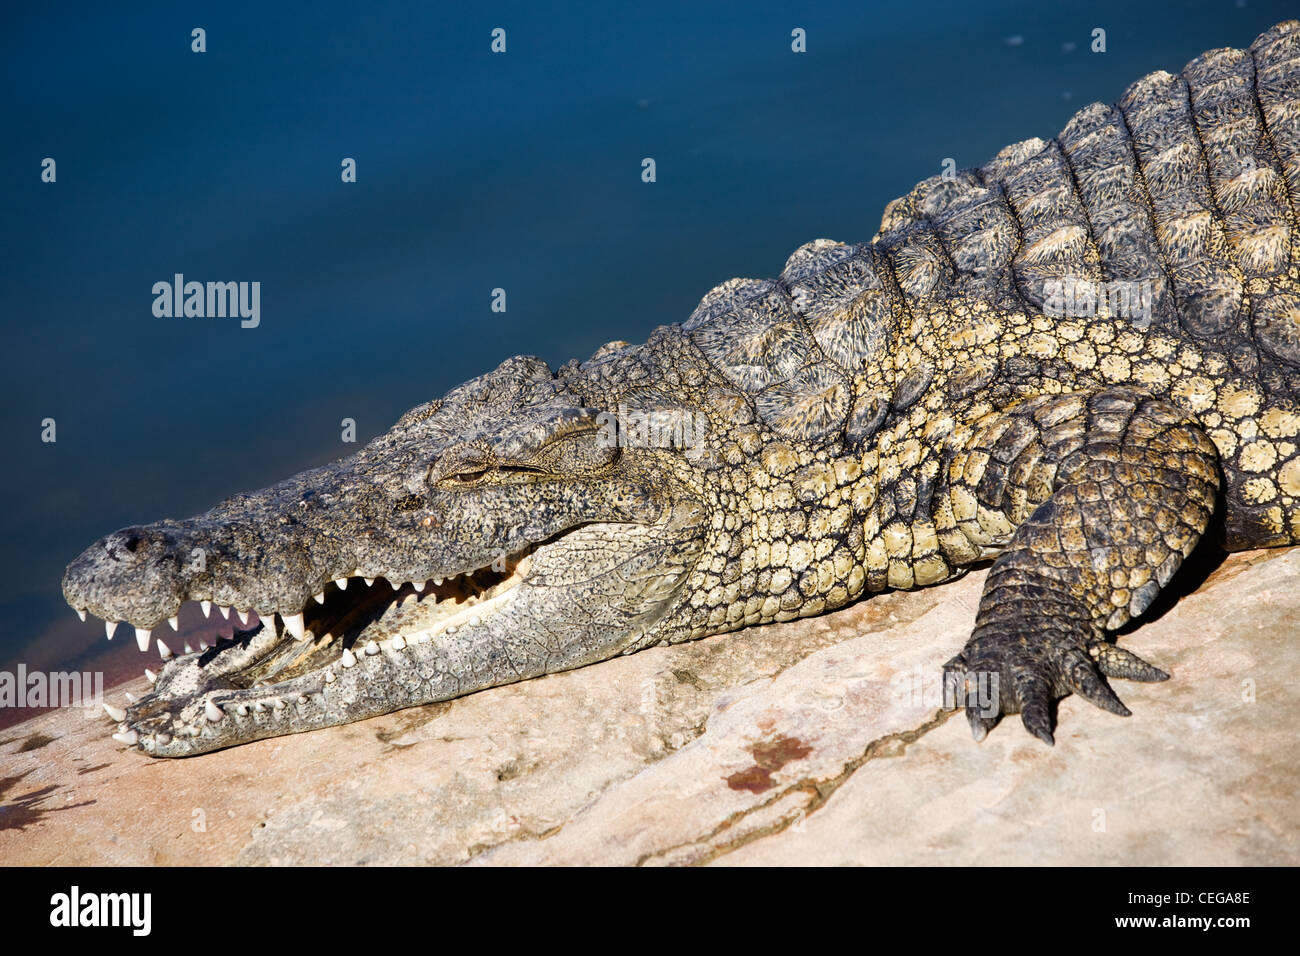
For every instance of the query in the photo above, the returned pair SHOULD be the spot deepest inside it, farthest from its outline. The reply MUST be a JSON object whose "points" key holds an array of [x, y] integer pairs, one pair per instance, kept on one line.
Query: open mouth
{"points": [[278, 665]]}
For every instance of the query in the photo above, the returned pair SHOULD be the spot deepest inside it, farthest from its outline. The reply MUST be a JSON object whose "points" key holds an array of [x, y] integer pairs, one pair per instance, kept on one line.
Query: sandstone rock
{"points": [[818, 741]]}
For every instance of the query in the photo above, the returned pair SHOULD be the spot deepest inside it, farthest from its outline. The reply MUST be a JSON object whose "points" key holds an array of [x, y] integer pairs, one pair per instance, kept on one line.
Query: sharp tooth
{"points": [[397, 643], [451, 629], [174, 622], [117, 713], [422, 637], [342, 583], [109, 628], [203, 645], [369, 581], [294, 625], [268, 621], [303, 698], [188, 649], [419, 586], [371, 648], [329, 676], [437, 582], [81, 613], [395, 584], [164, 651], [130, 697], [151, 676], [212, 711], [130, 738], [320, 598], [258, 707], [225, 612], [243, 617], [277, 704], [142, 638], [207, 607], [349, 659], [242, 710], [473, 621]]}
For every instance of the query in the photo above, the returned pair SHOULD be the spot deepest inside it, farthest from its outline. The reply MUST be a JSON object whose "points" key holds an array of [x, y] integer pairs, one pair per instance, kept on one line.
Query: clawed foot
{"points": [[1004, 672]]}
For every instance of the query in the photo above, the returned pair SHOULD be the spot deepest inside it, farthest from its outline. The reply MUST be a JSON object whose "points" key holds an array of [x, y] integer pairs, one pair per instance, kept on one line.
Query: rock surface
{"points": [[818, 741]]}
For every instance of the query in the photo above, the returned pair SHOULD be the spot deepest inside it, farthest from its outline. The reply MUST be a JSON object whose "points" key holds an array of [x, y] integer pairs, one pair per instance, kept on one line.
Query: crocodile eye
{"points": [[458, 469], [466, 477]]}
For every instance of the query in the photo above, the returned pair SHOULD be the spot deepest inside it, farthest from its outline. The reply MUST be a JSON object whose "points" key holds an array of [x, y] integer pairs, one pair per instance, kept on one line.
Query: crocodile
{"points": [[1073, 362]]}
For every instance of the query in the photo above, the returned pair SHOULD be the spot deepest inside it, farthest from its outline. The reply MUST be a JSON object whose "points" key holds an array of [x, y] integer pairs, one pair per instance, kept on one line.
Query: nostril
{"points": [[130, 541]]}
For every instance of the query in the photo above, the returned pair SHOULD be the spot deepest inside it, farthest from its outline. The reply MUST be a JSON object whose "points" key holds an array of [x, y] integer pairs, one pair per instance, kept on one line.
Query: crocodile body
{"points": [[1075, 361]]}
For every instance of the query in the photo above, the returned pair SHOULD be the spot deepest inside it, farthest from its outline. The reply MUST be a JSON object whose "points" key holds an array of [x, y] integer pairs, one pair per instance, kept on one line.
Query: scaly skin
{"points": [[881, 415]]}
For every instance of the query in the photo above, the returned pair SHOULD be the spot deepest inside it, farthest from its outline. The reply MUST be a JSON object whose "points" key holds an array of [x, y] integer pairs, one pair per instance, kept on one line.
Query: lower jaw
{"points": [[376, 684]]}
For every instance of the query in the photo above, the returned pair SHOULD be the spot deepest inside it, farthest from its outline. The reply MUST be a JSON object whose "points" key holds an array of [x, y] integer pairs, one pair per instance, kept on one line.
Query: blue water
{"points": [[476, 171]]}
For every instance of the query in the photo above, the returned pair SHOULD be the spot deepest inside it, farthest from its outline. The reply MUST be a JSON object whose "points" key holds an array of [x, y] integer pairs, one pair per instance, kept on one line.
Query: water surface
{"points": [[476, 171]]}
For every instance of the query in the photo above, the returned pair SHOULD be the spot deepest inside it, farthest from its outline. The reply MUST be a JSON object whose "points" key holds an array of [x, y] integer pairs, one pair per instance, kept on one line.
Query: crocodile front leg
{"points": [[1107, 492]]}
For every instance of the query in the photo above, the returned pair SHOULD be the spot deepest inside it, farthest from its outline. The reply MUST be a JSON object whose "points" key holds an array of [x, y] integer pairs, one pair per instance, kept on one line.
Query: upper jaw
{"points": [[141, 576], [260, 554]]}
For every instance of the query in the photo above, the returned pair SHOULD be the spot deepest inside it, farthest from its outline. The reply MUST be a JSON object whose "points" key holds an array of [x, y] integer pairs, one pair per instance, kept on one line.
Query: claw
{"points": [[958, 679], [979, 725], [1039, 723], [1094, 690], [1033, 695], [1114, 661], [1083, 677]]}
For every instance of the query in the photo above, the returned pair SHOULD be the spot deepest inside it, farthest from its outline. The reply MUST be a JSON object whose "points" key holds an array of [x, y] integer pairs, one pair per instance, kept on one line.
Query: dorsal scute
{"points": [[748, 330], [811, 405], [839, 292]]}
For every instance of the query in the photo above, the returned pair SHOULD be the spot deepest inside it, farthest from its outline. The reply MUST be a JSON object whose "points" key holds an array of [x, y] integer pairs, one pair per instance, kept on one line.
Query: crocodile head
{"points": [[514, 532]]}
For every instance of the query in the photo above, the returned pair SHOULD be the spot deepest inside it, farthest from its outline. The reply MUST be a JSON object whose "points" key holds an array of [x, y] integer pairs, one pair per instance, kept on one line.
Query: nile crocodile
{"points": [[1075, 360]]}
